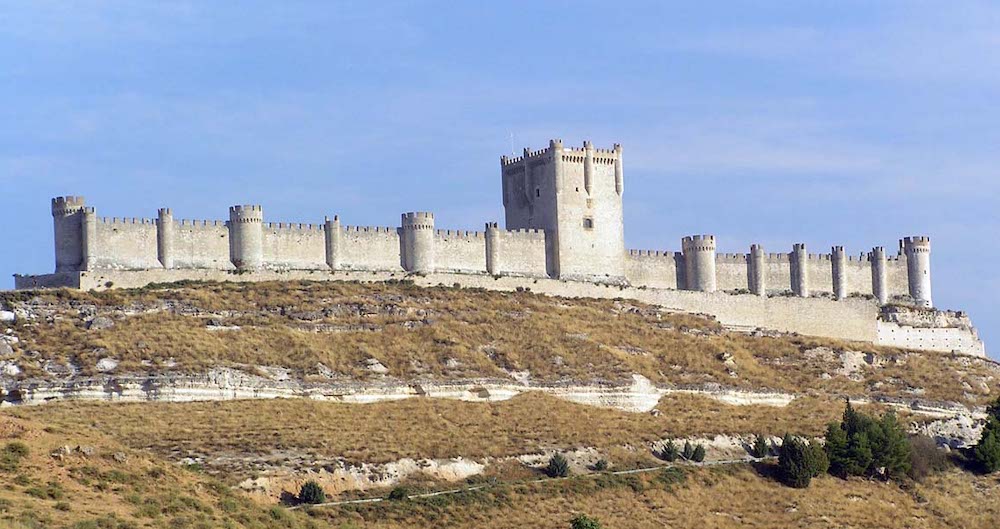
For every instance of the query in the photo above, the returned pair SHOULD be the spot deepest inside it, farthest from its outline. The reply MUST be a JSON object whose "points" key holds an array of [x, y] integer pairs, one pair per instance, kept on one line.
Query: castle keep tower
{"points": [[246, 237], [575, 195], [69, 228], [417, 242], [918, 269]]}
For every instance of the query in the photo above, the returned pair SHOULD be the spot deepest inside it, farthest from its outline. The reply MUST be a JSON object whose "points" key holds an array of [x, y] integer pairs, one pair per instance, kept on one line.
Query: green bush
{"points": [[688, 451], [601, 465], [699, 454], [12, 455], [986, 453], [399, 494], [864, 446], [582, 521], [311, 493], [558, 466], [760, 447], [669, 452]]}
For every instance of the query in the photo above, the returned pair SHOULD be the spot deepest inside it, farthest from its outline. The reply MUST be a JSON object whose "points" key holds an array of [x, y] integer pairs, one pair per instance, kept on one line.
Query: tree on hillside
{"points": [[794, 463], [863, 446], [760, 447], [312, 493], [987, 451], [582, 521], [558, 466]]}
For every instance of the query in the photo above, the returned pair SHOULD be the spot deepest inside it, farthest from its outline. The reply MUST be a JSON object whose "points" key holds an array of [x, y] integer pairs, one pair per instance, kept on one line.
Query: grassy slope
{"points": [[414, 332], [418, 428], [420, 333], [145, 491]]}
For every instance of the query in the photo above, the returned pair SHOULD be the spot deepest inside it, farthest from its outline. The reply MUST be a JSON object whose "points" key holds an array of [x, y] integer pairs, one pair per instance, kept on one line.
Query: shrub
{"points": [[699, 454], [925, 458], [795, 466], [601, 465], [558, 466], [11, 456], [311, 493], [688, 452], [669, 452], [760, 447], [986, 453], [399, 494], [582, 521]]}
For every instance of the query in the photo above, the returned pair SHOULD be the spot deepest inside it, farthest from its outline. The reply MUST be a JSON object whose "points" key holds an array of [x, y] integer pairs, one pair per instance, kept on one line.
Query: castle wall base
{"points": [[855, 319]]}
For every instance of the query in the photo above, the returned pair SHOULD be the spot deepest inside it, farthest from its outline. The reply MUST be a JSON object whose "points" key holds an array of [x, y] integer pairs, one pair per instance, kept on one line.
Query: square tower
{"points": [[575, 195]]}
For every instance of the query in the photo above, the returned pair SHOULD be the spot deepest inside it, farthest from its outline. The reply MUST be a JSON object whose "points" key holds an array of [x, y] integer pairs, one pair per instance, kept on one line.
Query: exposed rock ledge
{"points": [[641, 395]]}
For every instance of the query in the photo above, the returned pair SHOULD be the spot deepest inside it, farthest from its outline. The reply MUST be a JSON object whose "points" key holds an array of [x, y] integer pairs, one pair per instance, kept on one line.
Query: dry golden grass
{"points": [[146, 491], [415, 332], [724, 498], [419, 428]]}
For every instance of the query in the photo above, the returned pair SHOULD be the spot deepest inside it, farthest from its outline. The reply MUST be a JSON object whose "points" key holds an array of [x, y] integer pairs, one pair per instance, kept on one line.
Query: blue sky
{"points": [[845, 122]]}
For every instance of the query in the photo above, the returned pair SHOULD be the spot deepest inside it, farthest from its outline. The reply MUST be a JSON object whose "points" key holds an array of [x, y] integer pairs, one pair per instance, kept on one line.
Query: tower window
{"points": [[588, 223], [538, 192]]}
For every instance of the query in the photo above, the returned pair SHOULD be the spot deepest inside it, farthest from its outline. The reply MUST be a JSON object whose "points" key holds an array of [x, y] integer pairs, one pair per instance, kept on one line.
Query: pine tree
{"points": [[794, 463], [987, 450], [558, 466], [818, 461], [699, 454], [760, 447], [836, 450], [893, 454], [688, 452], [669, 452]]}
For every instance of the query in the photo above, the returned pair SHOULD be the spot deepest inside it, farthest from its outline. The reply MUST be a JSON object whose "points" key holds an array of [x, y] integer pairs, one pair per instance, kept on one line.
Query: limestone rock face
{"points": [[100, 323], [107, 364]]}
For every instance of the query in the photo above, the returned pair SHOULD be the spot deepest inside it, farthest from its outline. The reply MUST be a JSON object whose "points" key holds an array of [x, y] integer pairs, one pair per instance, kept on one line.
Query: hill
{"points": [[524, 376]]}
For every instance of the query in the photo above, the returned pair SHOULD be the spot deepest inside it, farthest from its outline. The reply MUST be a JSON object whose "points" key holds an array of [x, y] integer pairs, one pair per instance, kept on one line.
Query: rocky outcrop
{"points": [[641, 395]]}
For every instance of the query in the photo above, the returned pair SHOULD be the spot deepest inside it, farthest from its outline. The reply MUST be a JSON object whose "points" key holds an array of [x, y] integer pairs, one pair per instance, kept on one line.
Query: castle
{"points": [[563, 224]]}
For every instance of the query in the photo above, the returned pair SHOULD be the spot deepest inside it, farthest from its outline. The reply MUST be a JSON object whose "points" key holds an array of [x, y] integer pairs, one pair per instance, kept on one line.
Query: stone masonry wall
{"points": [[125, 243], [370, 248], [295, 246], [460, 251], [201, 244]]}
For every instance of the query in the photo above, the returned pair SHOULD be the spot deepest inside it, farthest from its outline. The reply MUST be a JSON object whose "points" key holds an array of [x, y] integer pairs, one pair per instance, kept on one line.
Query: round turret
{"points": [[246, 237], [838, 264], [918, 269], [165, 237], [418, 242], [799, 259], [880, 287], [757, 279], [699, 262]]}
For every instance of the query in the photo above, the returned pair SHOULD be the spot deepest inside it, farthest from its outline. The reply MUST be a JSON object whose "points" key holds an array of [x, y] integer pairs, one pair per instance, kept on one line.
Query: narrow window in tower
{"points": [[588, 223], [538, 192]]}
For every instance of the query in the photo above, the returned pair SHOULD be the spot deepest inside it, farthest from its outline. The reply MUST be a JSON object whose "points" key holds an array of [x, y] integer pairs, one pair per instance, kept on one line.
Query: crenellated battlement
{"points": [[247, 213], [67, 205], [293, 226], [190, 223], [698, 243], [417, 220], [460, 234], [565, 154]]}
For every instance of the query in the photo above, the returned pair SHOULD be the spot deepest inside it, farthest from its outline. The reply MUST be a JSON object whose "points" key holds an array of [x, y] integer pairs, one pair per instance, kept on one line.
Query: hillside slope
{"points": [[521, 360]]}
